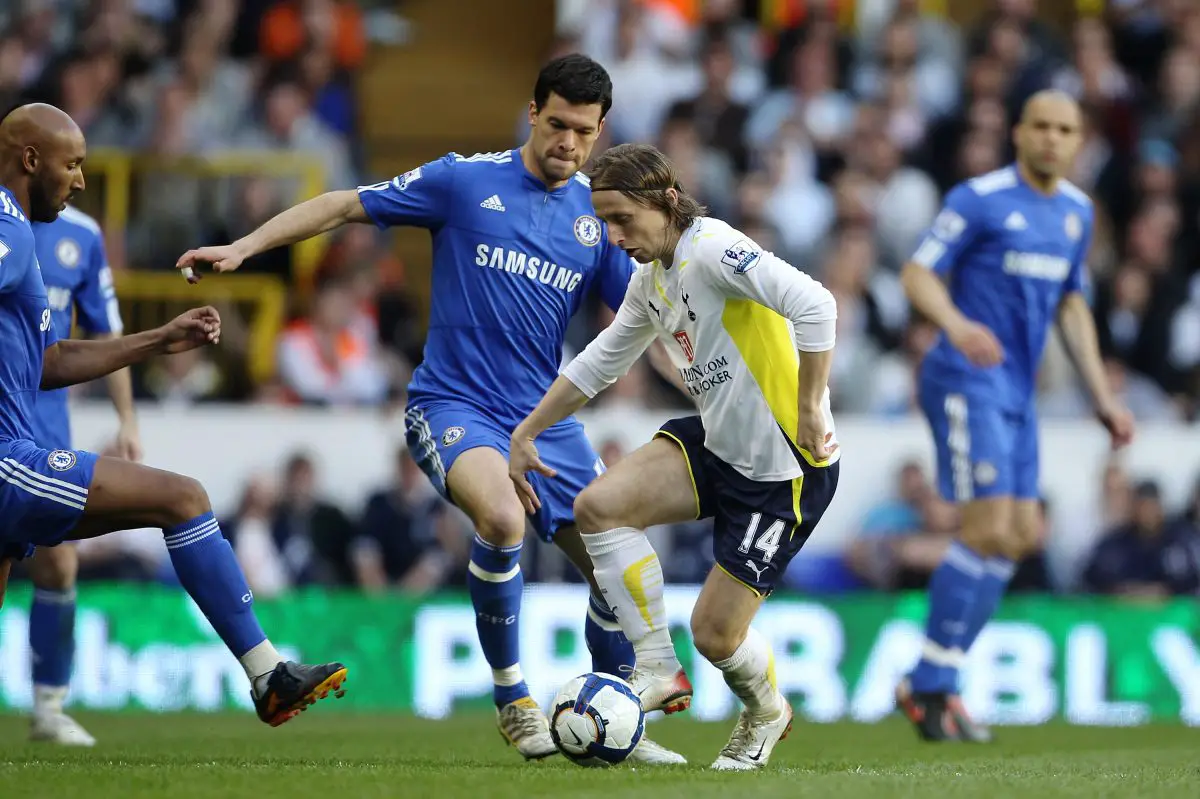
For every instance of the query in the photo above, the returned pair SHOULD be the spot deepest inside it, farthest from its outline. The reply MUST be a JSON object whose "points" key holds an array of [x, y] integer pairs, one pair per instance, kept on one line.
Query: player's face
{"points": [[1049, 136], [562, 136], [638, 230], [59, 175]]}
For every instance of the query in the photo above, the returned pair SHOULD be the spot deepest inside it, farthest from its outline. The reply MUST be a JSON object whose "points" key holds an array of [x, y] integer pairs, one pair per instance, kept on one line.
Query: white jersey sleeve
{"points": [[612, 353], [741, 269]]}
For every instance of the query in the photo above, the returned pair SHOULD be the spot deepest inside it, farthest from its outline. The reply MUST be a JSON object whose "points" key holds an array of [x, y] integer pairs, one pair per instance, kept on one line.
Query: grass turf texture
{"points": [[348, 755]]}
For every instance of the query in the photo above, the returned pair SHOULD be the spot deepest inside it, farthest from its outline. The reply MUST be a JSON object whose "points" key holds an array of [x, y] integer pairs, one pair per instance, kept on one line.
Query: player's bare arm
{"points": [[928, 295], [120, 391], [562, 400], [812, 434], [321, 214], [1078, 330], [73, 361]]}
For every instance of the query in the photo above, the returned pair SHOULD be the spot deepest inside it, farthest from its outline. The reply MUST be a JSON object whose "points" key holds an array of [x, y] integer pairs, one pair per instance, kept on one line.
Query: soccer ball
{"points": [[597, 720]]}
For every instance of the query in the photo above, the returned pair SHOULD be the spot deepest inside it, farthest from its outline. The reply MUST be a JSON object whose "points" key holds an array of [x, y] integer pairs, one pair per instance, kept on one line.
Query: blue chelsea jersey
{"points": [[1010, 254], [26, 327], [79, 287], [512, 263]]}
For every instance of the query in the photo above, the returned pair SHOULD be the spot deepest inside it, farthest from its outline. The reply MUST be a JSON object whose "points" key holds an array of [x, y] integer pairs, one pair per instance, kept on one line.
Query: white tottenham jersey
{"points": [[732, 317]]}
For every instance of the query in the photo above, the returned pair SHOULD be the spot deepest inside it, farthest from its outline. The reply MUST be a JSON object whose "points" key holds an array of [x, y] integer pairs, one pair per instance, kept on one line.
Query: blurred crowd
{"points": [[404, 538], [829, 143]]}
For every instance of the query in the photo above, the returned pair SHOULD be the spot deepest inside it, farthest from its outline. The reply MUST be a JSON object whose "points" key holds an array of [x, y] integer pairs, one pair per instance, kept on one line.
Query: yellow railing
{"points": [[115, 171], [266, 294], [118, 168]]}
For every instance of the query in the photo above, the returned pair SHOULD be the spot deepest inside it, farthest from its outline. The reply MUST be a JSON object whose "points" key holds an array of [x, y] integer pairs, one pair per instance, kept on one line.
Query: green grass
{"points": [[346, 756]]}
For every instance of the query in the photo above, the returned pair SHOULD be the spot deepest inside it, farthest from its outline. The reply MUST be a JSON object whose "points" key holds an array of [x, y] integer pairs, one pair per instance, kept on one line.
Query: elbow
{"points": [[818, 330]]}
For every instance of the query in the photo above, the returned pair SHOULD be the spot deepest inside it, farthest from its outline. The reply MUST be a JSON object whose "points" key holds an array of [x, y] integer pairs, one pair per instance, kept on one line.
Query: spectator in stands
{"points": [[718, 120], [1145, 559], [312, 536], [254, 541], [409, 538], [326, 359], [902, 539], [331, 26]]}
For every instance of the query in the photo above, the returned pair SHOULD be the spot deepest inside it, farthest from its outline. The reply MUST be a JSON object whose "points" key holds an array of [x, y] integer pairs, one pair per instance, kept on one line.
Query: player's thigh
{"points": [[54, 568], [1027, 526], [759, 526], [125, 495], [655, 484], [565, 449], [465, 455]]}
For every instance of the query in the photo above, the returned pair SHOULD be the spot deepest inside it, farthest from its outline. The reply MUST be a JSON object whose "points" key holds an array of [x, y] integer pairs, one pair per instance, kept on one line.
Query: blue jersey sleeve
{"points": [[418, 198], [96, 300], [952, 232], [616, 270], [13, 262]]}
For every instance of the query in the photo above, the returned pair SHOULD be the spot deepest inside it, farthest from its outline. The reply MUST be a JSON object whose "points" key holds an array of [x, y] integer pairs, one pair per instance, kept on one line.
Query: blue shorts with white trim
{"points": [[983, 450], [42, 492], [439, 431]]}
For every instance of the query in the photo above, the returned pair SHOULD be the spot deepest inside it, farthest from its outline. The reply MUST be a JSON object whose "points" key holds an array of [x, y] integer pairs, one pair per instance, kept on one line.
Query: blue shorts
{"points": [[438, 431], [42, 492], [983, 450]]}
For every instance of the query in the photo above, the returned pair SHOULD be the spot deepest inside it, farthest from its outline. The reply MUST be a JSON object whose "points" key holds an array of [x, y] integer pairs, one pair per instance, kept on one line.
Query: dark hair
{"points": [[577, 79], [643, 174]]}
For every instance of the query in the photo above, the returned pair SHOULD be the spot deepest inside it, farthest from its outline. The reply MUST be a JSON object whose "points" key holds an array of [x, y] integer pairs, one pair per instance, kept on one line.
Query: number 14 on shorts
{"points": [[767, 543]]}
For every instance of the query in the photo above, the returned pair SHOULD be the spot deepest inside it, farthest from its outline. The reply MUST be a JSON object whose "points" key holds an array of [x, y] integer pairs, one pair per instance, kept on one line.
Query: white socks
{"points": [[259, 662], [48, 699], [750, 674], [630, 576]]}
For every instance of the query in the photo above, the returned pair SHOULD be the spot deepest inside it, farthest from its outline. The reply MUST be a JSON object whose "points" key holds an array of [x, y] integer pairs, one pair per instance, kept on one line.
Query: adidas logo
{"points": [[1015, 221], [492, 203]]}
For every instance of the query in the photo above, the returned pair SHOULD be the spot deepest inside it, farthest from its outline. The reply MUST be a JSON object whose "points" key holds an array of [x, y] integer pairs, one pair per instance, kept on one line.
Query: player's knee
{"points": [[55, 568], [715, 640], [593, 511], [188, 500], [501, 524]]}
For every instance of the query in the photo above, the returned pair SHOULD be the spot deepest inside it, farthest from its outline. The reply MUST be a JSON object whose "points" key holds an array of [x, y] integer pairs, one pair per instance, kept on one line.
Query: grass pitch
{"points": [[346, 756]]}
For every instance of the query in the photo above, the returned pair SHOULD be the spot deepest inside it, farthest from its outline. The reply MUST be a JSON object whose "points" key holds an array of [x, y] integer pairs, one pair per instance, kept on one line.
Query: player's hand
{"points": [[225, 258], [813, 437], [129, 442], [523, 458], [196, 328], [978, 343], [1118, 421]]}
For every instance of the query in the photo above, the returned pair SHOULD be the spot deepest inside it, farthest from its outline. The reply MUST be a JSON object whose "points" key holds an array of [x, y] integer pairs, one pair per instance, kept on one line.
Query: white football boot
{"points": [[670, 694], [524, 725], [753, 738], [59, 728], [649, 753]]}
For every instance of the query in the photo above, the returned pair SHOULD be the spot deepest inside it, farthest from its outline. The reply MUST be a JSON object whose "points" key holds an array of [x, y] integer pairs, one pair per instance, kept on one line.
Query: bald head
{"points": [[41, 157], [1048, 135]]}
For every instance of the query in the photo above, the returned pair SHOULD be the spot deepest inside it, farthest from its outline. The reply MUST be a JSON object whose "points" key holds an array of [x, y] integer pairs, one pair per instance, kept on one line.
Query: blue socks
{"points": [[953, 590], [495, 582], [988, 593], [52, 636], [610, 649], [209, 572]]}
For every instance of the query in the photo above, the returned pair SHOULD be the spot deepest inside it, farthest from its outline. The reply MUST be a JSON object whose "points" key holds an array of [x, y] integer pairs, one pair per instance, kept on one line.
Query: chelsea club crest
{"points": [[1073, 226], [60, 460], [68, 253], [452, 436], [587, 230]]}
